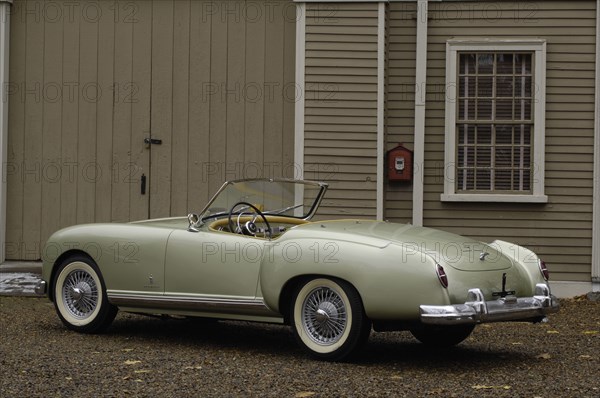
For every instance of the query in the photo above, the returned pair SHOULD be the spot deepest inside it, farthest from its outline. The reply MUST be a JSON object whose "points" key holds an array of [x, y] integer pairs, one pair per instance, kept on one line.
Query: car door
{"points": [[213, 264]]}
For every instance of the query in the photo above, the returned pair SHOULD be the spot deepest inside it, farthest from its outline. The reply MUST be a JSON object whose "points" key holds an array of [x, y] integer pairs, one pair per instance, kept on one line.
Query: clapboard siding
{"points": [[216, 85], [560, 231], [400, 100], [340, 143]]}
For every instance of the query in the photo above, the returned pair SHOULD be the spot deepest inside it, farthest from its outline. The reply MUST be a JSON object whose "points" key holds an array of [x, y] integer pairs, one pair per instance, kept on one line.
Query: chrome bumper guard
{"points": [[40, 288], [477, 310]]}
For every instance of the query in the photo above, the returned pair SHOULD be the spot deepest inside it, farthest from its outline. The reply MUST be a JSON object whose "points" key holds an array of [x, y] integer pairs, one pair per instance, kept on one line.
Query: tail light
{"points": [[442, 275], [544, 270]]}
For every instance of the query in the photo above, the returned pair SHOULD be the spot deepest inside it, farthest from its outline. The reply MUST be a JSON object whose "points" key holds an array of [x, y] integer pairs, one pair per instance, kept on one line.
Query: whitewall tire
{"points": [[80, 296], [328, 318]]}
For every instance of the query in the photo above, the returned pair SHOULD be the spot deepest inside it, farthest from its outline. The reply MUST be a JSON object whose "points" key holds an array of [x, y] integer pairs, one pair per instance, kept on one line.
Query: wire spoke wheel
{"points": [[324, 316], [328, 318], [80, 296]]}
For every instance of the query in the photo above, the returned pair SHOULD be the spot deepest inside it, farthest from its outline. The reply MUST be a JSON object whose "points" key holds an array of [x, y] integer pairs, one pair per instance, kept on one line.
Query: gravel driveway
{"points": [[143, 356]]}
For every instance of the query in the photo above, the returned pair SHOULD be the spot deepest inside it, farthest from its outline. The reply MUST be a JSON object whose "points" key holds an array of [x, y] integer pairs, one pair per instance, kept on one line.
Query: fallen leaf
{"points": [[69, 378], [139, 380], [482, 387], [304, 394], [516, 343], [396, 377], [126, 377], [132, 362], [552, 332], [590, 332], [193, 367], [544, 356], [585, 357], [141, 371], [127, 349]]}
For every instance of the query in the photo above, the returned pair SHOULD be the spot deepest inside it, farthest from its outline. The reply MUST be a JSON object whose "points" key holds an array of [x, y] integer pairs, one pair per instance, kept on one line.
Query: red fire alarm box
{"points": [[400, 164]]}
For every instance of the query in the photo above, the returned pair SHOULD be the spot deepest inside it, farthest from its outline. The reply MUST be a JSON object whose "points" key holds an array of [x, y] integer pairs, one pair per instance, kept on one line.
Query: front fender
{"points": [[130, 257]]}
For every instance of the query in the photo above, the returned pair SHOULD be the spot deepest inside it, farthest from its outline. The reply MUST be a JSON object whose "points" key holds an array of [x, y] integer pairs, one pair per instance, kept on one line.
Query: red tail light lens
{"points": [[442, 276], [544, 270]]}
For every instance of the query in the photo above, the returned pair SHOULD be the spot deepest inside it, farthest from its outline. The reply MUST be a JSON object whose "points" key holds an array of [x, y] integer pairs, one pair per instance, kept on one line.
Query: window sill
{"points": [[494, 198]]}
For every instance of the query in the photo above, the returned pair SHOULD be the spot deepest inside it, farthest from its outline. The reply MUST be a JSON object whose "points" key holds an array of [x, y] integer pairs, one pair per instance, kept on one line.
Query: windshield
{"points": [[288, 198]]}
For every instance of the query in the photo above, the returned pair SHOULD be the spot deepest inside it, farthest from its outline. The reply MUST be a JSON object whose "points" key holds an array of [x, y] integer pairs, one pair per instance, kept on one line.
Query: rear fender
{"points": [[525, 260], [391, 284]]}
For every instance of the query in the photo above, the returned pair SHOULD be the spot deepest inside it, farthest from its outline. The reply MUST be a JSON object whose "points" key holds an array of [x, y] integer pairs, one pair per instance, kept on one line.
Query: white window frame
{"points": [[538, 47]]}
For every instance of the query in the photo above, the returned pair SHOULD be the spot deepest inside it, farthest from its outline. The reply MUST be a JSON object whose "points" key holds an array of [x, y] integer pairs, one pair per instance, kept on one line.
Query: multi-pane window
{"points": [[494, 146], [494, 122]]}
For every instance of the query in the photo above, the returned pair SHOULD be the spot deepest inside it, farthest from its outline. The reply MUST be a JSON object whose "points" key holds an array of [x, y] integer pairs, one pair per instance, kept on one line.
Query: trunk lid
{"points": [[448, 249]]}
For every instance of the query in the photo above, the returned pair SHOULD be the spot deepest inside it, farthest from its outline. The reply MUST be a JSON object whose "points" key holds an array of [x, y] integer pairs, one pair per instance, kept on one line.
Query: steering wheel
{"points": [[249, 228]]}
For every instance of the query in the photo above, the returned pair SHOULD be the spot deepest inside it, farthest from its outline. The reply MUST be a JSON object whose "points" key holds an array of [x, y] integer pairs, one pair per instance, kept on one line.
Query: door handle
{"points": [[143, 187], [152, 141]]}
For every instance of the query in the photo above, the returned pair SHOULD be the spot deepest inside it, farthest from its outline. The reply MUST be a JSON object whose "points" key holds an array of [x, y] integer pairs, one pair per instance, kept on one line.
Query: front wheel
{"points": [[328, 319], [80, 296], [442, 336]]}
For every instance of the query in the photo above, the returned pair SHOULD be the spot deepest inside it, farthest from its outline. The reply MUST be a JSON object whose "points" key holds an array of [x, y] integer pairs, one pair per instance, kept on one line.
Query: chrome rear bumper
{"points": [[477, 310]]}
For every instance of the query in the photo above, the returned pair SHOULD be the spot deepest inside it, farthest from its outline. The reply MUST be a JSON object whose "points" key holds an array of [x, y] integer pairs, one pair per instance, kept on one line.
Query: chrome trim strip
{"points": [[201, 304], [41, 288], [476, 310]]}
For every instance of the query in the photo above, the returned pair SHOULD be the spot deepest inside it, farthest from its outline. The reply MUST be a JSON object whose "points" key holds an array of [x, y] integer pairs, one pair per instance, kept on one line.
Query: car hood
{"points": [[446, 248]]}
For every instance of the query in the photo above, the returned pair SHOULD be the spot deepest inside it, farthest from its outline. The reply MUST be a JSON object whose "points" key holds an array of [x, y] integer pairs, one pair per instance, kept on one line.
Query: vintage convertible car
{"points": [[252, 254]]}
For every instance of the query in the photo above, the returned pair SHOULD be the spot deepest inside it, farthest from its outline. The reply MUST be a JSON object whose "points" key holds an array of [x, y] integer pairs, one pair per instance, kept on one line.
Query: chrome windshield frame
{"points": [[322, 189]]}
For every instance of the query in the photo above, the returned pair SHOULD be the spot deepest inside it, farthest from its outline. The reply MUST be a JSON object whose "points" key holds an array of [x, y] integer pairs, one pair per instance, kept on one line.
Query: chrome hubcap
{"points": [[77, 293], [324, 316], [321, 316], [80, 294]]}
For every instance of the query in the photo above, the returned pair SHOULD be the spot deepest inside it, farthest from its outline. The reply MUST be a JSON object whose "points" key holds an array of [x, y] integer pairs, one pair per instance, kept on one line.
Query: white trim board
{"points": [[4, 67], [596, 191], [420, 100], [380, 203], [300, 99], [300, 87]]}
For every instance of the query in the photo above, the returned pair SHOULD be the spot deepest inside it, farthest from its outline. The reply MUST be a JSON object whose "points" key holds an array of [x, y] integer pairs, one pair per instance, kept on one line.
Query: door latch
{"points": [[152, 141]]}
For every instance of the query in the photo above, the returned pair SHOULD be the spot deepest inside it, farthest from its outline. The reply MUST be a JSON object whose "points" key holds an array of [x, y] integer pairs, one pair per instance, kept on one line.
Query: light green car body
{"points": [[162, 267]]}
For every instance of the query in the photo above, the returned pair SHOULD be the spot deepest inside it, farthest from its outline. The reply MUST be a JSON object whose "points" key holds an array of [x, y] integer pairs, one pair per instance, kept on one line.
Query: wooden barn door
{"points": [[121, 111], [222, 102]]}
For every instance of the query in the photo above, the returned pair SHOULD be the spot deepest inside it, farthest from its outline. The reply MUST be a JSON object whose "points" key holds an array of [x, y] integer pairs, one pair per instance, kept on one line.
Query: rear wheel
{"points": [[328, 319], [80, 296], [443, 336]]}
